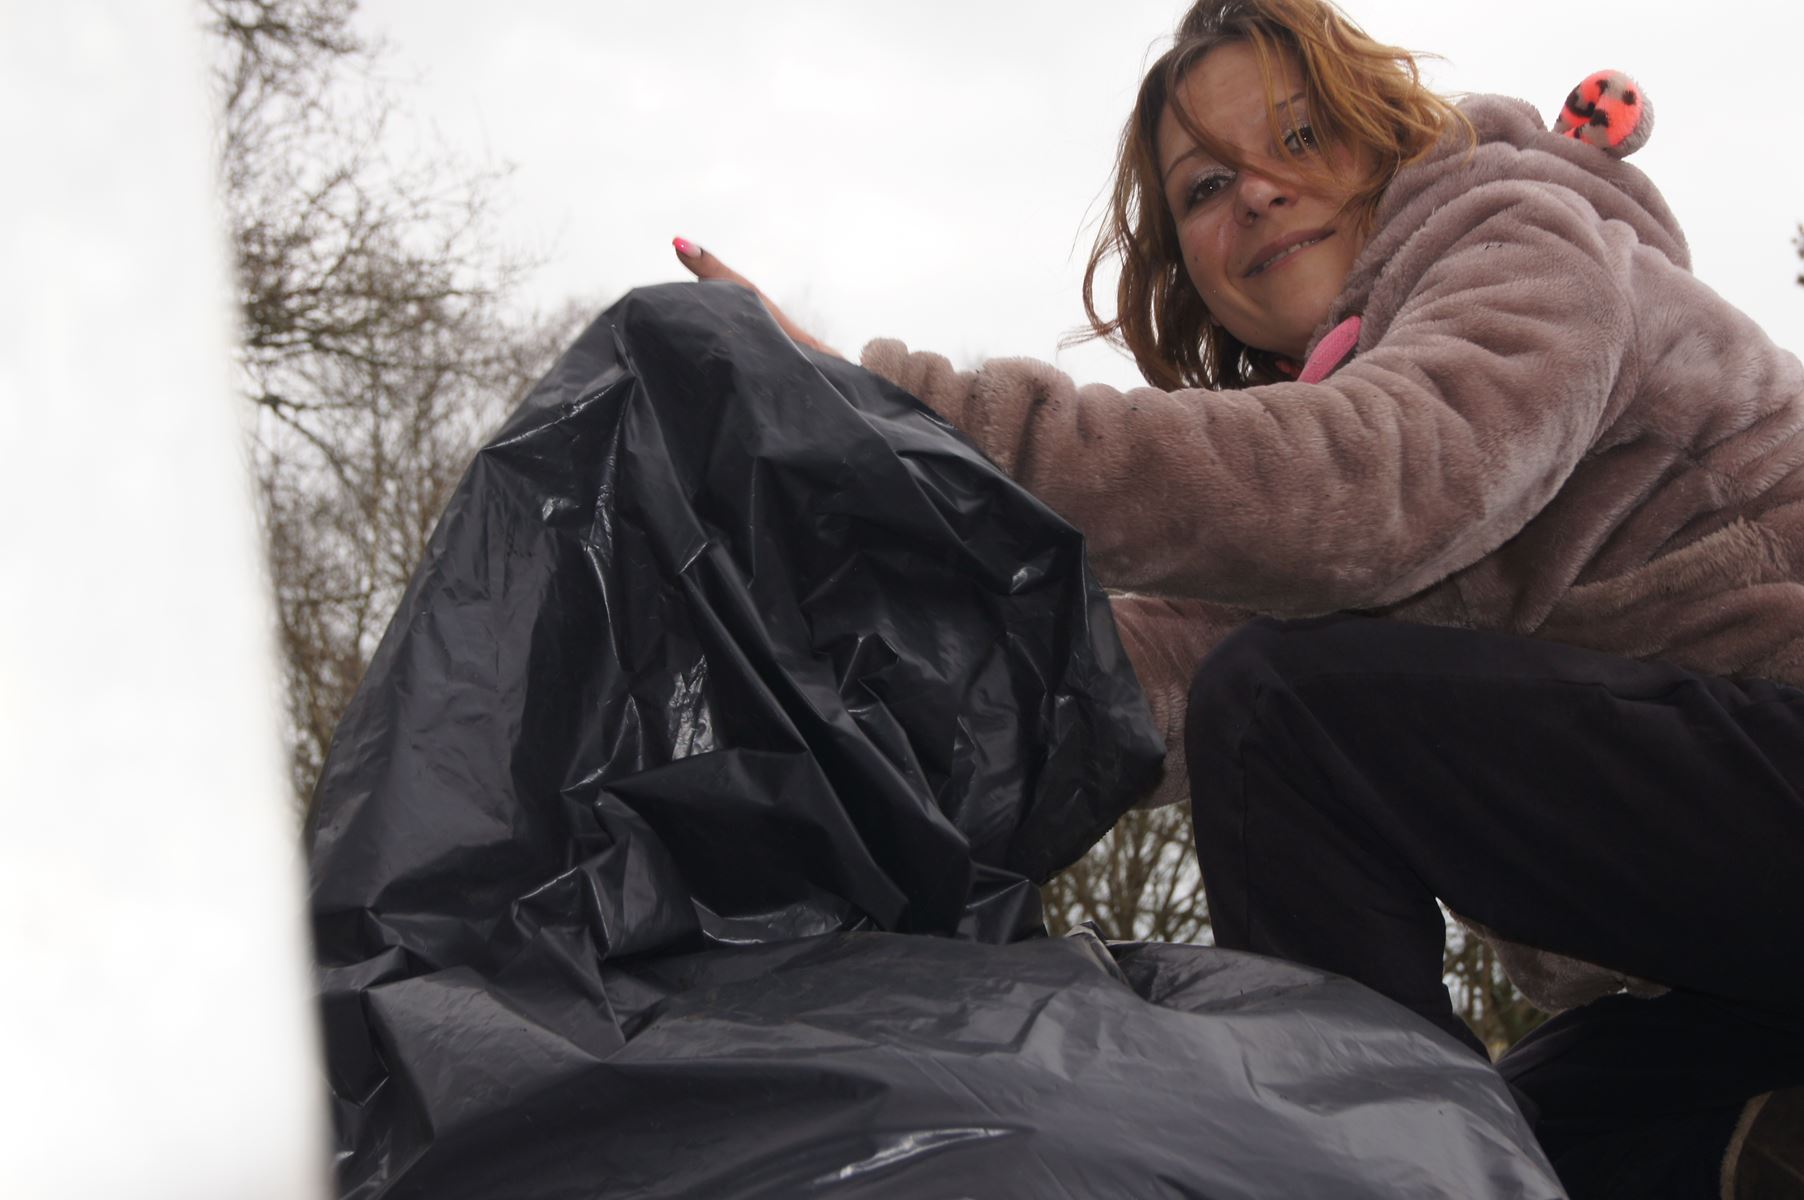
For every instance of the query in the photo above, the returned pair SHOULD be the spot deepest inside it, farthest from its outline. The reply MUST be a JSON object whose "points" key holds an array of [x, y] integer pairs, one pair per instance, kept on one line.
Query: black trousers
{"points": [[1347, 772]]}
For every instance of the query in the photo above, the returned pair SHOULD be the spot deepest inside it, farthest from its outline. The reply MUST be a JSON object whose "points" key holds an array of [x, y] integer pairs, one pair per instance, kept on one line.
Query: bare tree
{"points": [[1139, 883], [375, 346], [1482, 993]]}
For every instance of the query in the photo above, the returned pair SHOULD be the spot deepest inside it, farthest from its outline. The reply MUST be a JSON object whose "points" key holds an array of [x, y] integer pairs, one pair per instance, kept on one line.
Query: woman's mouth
{"points": [[1271, 256]]}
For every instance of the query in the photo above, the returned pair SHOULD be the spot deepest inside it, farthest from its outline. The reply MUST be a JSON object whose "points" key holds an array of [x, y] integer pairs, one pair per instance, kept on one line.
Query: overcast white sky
{"points": [[929, 171]]}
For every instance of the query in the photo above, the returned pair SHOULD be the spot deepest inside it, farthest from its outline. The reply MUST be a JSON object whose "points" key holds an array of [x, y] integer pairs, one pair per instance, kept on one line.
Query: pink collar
{"points": [[1331, 351]]}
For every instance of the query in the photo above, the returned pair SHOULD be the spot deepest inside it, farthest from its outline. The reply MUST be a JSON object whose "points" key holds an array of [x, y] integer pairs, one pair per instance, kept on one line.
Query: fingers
{"points": [[704, 265]]}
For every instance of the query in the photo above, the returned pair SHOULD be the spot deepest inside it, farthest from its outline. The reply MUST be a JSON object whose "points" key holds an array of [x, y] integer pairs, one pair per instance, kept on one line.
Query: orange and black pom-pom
{"points": [[1608, 110]]}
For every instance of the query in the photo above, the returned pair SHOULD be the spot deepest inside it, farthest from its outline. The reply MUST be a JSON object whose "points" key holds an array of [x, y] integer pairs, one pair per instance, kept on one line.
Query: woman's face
{"points": [[1267, 257]]}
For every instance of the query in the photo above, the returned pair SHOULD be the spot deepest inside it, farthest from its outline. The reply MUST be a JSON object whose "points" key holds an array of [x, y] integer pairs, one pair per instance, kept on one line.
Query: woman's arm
{"points": [[1433, 447]]}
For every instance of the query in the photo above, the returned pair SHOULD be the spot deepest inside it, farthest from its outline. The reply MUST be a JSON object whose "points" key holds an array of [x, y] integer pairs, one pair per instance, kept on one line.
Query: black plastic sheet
{"points": [[682, 839]]}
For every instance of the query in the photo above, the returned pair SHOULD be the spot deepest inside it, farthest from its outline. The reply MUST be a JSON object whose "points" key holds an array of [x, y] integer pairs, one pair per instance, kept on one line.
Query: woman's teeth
{"points": [[1279, 257]]}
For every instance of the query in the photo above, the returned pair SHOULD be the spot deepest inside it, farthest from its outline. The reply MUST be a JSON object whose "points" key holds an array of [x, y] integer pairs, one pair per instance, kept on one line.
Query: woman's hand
{"points": [[704, 265]]}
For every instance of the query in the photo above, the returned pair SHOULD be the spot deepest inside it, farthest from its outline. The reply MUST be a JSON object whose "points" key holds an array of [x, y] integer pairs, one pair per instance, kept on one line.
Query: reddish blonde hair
{"points": [[1362, 96]]}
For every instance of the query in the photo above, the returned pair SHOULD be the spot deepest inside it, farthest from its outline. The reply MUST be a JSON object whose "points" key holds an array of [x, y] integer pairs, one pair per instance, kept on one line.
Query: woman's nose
{"points": [[1258, 193]]}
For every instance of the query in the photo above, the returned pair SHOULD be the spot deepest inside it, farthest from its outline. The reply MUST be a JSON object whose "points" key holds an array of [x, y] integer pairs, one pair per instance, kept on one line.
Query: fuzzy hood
{"points": [[1512, 144]]}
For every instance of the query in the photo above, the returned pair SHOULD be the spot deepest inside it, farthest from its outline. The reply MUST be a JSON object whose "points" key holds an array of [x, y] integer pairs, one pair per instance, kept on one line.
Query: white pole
{"points": [[156, 1033]]}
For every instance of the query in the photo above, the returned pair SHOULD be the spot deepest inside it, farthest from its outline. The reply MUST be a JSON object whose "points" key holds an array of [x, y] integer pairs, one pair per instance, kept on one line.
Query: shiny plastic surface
{"points": [[682, 838]]}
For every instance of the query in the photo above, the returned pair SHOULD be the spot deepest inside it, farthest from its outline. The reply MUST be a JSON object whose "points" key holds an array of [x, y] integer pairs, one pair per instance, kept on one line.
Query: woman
{"points": [[1444, 367]]}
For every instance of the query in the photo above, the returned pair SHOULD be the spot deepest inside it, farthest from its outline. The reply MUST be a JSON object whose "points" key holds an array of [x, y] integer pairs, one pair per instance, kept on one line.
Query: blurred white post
{"points": [[156, 1032]]}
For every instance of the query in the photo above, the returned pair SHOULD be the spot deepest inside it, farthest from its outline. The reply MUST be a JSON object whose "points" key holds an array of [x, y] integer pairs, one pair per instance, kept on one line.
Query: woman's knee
{"points": [[1265, 665], [1226, 695], [1262, 655]]}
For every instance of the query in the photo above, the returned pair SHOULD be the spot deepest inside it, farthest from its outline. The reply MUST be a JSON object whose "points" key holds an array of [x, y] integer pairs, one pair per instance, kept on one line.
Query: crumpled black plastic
{"points": [[682, 838]]}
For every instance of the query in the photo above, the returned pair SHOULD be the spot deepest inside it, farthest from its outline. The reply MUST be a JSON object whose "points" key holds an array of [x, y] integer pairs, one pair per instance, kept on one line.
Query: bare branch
{"points": [[374, 350]]}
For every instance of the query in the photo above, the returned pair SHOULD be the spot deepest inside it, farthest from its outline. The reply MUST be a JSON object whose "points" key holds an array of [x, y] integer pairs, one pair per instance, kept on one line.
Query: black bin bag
{"points": [[682, 839]]}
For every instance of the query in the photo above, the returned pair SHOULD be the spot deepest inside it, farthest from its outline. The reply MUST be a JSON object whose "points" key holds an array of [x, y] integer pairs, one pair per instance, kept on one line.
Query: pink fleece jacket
{"points": [[1549, 427]]}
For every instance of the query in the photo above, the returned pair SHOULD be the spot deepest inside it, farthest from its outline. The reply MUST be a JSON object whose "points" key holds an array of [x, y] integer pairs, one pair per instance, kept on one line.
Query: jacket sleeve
{"points": [[1484, 388]]}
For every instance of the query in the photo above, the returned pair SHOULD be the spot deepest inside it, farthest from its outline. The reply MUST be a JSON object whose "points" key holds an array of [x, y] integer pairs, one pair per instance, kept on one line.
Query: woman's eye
{"points": [[1206, 188], [1300, 139]]}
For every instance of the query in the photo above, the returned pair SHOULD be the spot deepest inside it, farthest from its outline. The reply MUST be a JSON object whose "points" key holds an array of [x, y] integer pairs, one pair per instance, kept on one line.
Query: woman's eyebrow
{"points": [[1196, 148], [1194, 152]]}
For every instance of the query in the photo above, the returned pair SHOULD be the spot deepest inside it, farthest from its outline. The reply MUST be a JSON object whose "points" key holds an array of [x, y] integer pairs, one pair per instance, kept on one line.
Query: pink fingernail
{"points": [[686, 248]]}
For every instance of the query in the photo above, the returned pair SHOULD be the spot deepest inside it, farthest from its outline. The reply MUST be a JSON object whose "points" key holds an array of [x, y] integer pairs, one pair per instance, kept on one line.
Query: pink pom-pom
{"points": [[1608, 110]]}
